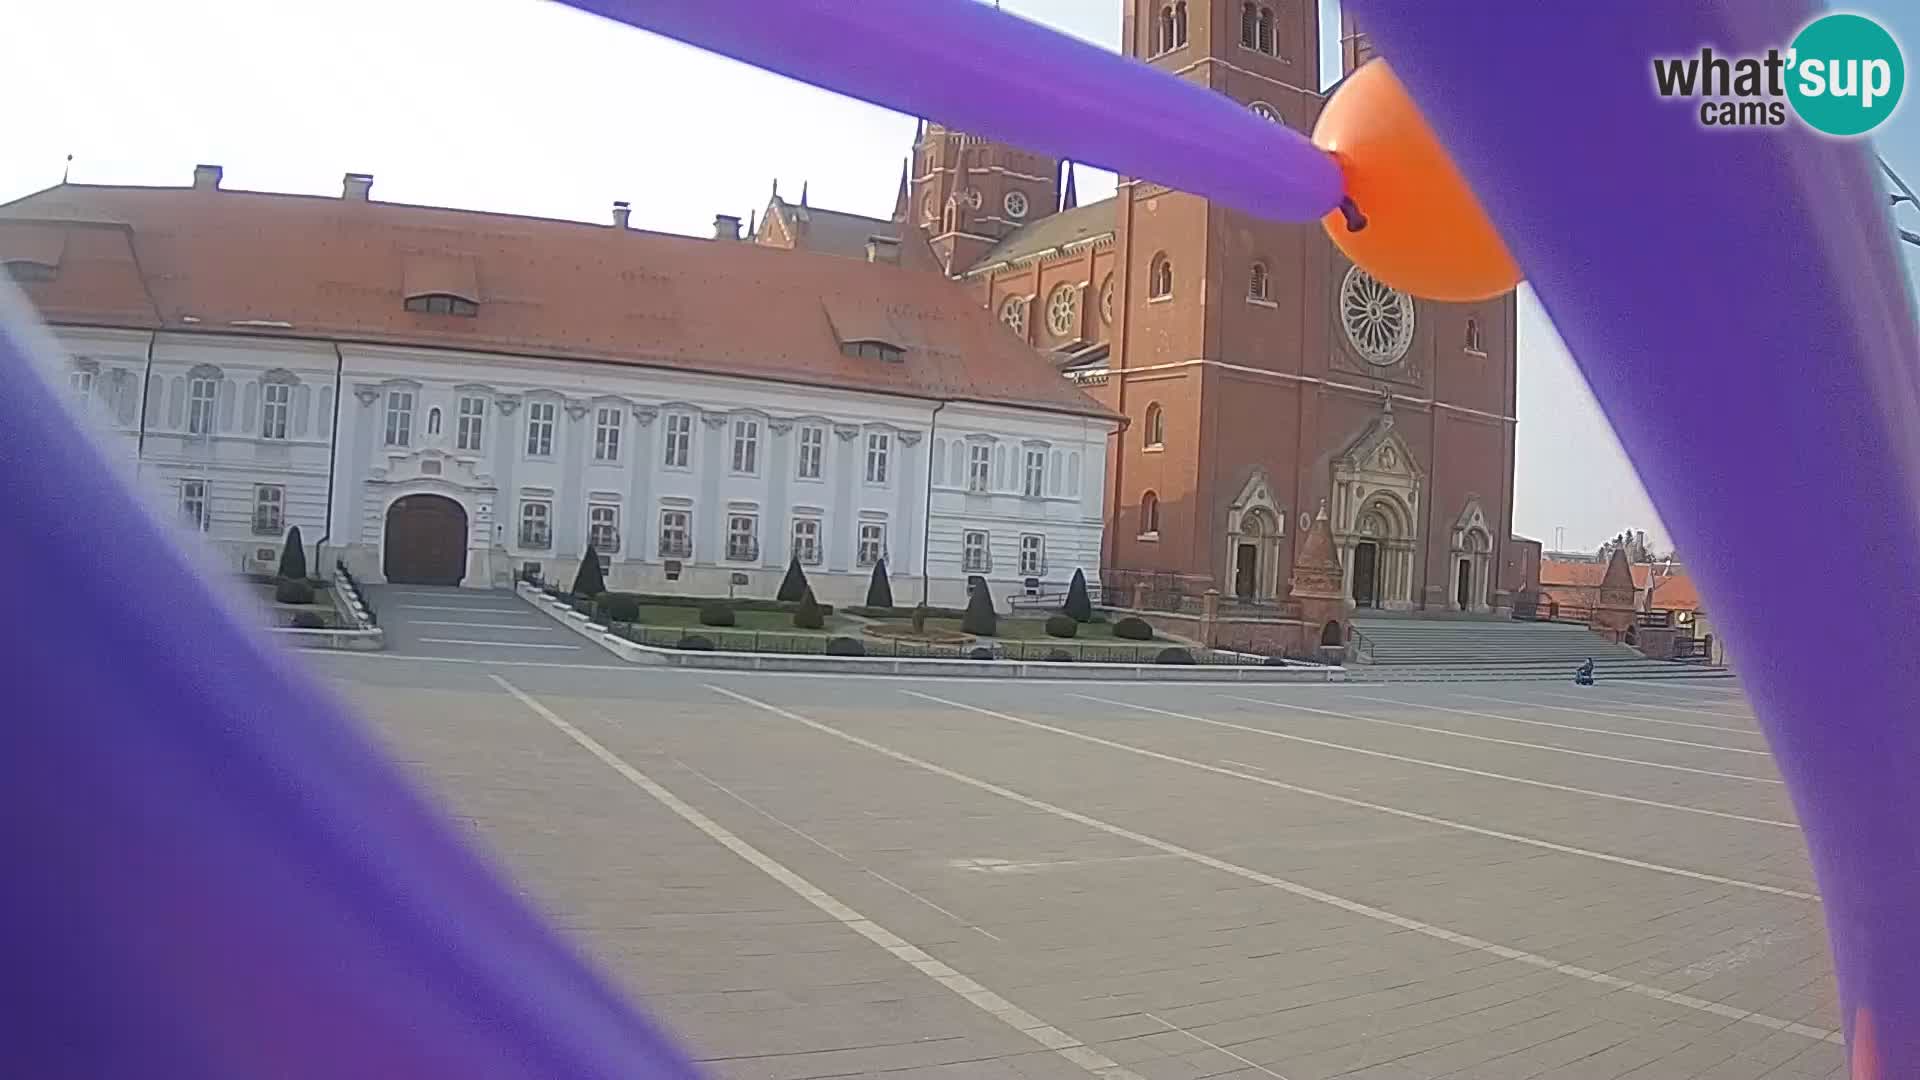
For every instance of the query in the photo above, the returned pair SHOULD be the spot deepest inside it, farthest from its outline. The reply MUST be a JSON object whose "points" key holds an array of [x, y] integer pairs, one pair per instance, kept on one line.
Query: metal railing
{"points": [[1359, 647]]}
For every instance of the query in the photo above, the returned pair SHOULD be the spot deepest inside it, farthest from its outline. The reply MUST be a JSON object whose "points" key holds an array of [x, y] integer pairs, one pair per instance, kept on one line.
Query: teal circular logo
{"points": [[1845, 74]]}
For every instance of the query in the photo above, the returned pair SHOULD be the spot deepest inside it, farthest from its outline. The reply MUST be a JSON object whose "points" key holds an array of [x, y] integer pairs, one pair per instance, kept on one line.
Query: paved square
{"points": [[816, 876]]}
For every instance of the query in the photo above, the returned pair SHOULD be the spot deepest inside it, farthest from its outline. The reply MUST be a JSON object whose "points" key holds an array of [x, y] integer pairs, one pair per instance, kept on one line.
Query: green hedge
{"points": [[904, 612], [744, 603]]}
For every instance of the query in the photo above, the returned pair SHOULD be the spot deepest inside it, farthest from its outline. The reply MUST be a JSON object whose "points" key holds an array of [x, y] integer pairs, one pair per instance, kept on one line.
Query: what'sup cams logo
{"points": [[1842, 75]]}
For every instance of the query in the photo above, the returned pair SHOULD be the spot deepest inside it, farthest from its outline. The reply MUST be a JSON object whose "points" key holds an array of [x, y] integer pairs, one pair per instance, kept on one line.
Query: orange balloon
{"points": [[1425, 233]]}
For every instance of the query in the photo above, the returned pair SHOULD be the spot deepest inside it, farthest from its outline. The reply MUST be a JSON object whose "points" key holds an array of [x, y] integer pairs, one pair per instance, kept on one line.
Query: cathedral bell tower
{"points": [[967, 193]]}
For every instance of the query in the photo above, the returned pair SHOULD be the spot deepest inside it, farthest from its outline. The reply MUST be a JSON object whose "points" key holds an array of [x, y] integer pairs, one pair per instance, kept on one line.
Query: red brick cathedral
{"points": [[1265, 379]]}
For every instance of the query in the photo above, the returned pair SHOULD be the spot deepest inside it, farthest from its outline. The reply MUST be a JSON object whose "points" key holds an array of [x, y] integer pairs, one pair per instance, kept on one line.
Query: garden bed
{"points": [[281, 616]]}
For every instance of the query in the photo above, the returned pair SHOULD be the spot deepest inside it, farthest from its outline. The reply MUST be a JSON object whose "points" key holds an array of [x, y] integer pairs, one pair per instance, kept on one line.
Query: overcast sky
{"points": [[533, 108]]}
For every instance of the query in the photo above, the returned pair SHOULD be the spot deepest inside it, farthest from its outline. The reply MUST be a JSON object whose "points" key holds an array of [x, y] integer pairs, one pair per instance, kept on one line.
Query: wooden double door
{"points": [[426, 541]]}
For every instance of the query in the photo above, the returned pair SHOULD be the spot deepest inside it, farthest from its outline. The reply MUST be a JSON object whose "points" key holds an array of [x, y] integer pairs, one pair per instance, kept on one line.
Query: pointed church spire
{"points": [[776, 187], [900, 196], [1069, 195], [753, 224], [803, 193], [919, 129]]}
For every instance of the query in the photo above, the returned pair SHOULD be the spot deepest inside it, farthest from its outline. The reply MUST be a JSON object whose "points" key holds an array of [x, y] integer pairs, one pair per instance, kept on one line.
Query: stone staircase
{"points": [[1485, 648]]}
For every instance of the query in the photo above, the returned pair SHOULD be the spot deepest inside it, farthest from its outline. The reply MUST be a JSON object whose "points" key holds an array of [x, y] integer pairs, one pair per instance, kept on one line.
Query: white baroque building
{"points": [[440, 396]]}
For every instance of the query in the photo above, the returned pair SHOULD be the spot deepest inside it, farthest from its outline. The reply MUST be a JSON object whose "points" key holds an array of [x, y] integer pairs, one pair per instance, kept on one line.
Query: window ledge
{"points": [[1159, 299], [1156, 448], [1257, 302], [1481, 353], [1153, 536]]}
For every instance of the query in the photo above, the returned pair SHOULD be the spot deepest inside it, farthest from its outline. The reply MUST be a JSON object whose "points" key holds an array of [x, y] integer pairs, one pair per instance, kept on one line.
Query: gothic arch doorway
{"points": [[1255, 529], [425, 542], [1380, 556], [1252, 564]]}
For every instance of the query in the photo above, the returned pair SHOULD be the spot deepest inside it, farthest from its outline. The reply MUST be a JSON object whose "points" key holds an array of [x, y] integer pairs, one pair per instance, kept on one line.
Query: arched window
{"points": [[1258, 286], [1249, 26], [1265, 43], [1150, 515], [1154, 431], [1160, 278], [1180, 24], [1476, 341], [950, 221], [433, 421], [1166, 31]]}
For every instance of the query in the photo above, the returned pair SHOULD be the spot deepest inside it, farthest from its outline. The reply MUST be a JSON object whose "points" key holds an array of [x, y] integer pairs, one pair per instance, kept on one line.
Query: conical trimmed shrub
{"points": [[589, 582], [293, 557], [880, 590], [980, 619], [1079, 605], [794, 585], [809, 616]]}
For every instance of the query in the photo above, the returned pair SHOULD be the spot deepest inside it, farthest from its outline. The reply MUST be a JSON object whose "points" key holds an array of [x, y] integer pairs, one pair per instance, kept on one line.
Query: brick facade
{"points": [[1221, 338]]}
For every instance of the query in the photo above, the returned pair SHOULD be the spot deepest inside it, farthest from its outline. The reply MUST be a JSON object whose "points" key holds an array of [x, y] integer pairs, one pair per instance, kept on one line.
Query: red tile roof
{"points": [[1578, 584], [337, 269]]}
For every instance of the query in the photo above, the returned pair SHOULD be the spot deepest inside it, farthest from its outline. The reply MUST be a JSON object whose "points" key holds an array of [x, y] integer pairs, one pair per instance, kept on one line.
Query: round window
{"points": [[1378, 319], [1063, 310], [1016, 203], [1106, 300], [1013, 312]]}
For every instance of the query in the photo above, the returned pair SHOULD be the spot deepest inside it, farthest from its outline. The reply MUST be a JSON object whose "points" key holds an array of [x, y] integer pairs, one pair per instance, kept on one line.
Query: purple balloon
{"points": [[998, 76], [1737, 304], [210, 873]]}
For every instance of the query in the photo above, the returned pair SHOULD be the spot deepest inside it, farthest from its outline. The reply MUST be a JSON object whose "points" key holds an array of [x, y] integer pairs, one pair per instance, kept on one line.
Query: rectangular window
{"points": [[81, 382], [275, 398], [603, 527], [746, 447], [806, 540], [536, 524], [743, 537], [400, 418], [606, 435], [540, 416], [1036, 475], [473, 413], [873, 542], [269, 509], [1033, 555], [193, 503], [679, 440], [879, 444], [676, 534], [200, 397], [813, 448], [979, 466], [975, 557]]}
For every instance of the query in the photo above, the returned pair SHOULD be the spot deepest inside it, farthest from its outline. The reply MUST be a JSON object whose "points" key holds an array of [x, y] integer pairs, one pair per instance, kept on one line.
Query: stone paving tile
{"points": [[1138, 953]]}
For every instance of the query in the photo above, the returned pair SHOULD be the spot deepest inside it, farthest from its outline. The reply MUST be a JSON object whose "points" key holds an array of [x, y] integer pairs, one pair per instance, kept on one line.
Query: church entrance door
{"points": [[1366, 581]]}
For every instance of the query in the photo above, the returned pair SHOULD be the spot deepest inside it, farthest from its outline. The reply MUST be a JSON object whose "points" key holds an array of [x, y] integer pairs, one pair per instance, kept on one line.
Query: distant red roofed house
{"points": [[1573, 583]]}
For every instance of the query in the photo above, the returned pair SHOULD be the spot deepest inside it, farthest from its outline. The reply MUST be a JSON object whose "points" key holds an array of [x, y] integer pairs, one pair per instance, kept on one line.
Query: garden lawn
{"points": [[777, 621]]}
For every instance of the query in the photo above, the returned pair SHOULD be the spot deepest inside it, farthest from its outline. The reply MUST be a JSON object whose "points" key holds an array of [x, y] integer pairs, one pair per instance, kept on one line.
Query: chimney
{"points": [[206, 177], [726, 227], [355, 186], [621, 212], [883, 249]]}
